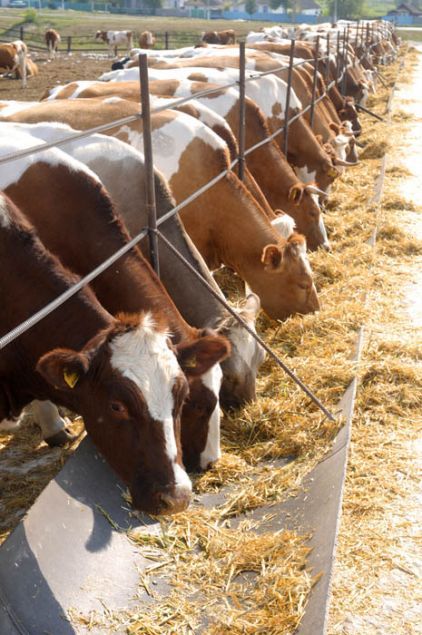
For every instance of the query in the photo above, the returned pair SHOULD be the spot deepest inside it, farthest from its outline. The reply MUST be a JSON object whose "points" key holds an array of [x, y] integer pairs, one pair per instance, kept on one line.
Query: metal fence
{"points": [[88, 43], [364, 32]]}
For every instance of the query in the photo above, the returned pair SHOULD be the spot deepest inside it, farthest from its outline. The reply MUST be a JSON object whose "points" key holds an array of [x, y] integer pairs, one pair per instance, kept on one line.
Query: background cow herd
{"points": [[148, 361]]}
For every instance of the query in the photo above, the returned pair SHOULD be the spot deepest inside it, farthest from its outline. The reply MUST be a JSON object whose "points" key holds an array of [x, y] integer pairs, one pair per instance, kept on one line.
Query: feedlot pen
{"points": [[204, 544]]}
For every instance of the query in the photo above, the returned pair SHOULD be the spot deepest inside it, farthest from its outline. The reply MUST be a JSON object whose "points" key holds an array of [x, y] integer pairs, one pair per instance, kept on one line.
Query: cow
{"points": [[219, 37], [13, 57], [52, 41], [114, 39], [267, 175], [82, 358], [146, 40], [190, 155], [131, 286]]}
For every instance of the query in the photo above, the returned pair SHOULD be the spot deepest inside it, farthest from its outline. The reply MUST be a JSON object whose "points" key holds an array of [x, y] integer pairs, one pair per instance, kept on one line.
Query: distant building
{"points": [[306, 7], [406, 9]]}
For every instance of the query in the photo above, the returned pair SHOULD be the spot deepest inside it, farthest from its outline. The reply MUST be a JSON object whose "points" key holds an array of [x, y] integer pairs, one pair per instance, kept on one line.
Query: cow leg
{"points": [[53, 426]]}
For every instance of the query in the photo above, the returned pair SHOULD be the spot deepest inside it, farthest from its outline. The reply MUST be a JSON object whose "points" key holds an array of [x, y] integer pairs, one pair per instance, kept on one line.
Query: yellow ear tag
{"points": [[333, 173], [71, 379], [190, 363]]}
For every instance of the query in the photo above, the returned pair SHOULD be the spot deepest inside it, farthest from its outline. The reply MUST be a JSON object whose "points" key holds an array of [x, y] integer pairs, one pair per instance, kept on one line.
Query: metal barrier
{"points": [[153, 222]]}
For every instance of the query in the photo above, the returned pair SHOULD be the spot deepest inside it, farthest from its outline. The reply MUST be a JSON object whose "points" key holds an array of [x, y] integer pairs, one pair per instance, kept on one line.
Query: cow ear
{"points": [[200, 355], [296, 193], [272, 258], [335, 127], [63, 368], [251, 308]]}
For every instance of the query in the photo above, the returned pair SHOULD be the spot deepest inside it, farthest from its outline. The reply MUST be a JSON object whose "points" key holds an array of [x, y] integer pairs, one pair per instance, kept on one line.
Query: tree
{"points": [[250, 6]]}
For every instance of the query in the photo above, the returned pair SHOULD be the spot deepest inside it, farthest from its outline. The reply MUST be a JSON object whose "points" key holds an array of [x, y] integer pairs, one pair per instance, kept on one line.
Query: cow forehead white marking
{"points": [[4, 214], [212, 380], [143, 356], [304, 257]]}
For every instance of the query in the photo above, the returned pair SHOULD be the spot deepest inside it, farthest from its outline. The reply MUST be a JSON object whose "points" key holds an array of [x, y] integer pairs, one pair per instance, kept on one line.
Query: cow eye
{"points": [[119, 410]]}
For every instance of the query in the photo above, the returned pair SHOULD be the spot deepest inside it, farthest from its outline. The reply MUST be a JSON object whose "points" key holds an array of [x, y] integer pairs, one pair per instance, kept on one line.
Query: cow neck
{"points": [[233, 229], [87, 233], [33, 278]]}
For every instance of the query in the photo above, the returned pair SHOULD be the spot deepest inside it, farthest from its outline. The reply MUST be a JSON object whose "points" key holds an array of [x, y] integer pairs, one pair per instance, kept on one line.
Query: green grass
{"points": [[414, 34], [81, 26]]}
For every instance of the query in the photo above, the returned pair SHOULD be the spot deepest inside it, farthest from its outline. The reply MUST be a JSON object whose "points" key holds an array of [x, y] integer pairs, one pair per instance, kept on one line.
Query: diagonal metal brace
{"points": [[260, 341], [369, 112]]}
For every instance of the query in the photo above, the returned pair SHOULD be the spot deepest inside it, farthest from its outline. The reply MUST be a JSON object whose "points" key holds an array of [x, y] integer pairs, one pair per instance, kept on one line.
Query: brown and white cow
{"points": [[114, 39], [13, 57], [52, 41], [130, 286], [190, 155], [146, 40], [219, 37], [275, 184], [108, 370]]}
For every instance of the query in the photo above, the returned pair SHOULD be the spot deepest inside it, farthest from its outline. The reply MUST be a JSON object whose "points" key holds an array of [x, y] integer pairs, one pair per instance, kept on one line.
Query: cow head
{"points": [[288, 287], [306, 211], [240, 369], [101, 35], [200, 431], [128, 386], [349, 113]]}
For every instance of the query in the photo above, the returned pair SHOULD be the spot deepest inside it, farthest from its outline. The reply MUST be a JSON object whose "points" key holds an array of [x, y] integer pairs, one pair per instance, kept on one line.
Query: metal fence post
{"points": [[327, 61], [314, 83], [343, 79], [69, 44], [242, 111], [287, 107], [166, 40], [338, 59], [149, 165], [21, 33]]}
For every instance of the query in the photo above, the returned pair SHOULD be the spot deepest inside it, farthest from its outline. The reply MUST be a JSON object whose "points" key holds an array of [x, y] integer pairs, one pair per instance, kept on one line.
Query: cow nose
{"points": [[326, 247], [175, 502]]}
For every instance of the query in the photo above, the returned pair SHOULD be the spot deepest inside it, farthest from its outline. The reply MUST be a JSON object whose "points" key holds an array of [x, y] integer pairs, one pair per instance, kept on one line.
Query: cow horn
{"points": [[313, 189], [343, 163]]}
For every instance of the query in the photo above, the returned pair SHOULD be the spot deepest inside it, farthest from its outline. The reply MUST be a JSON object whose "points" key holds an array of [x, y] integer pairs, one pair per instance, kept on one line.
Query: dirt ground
{"points": [[64, 69]]}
